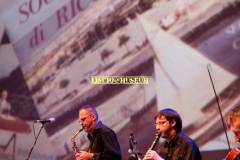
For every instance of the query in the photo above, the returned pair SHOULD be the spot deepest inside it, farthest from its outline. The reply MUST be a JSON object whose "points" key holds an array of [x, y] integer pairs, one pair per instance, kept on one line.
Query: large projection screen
{"points": [[50, 49]]}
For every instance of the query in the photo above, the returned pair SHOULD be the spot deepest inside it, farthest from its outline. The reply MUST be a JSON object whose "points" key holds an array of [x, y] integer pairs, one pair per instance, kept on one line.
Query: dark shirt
{"points": [[104, 143], [181, 147]]}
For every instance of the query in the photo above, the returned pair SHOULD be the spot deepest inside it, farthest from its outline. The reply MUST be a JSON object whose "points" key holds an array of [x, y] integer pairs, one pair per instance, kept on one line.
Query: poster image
{"points": [[51, 49]]}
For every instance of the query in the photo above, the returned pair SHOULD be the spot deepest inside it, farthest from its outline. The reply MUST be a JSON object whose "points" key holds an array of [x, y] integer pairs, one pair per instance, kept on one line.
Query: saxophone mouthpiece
{"points": [[75, 134]]}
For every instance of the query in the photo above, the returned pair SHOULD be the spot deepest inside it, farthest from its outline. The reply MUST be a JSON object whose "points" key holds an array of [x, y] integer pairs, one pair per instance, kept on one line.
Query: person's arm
{"points": [[111, 148], [192, 152], [9, 109]]}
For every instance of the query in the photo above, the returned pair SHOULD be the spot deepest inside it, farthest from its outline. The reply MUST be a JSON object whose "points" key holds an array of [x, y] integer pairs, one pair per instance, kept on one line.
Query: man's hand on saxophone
{"points": [[82, 155]]}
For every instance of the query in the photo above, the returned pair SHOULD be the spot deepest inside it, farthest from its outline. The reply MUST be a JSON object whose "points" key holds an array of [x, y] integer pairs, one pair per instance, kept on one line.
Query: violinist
{"points": [[233, 120]]}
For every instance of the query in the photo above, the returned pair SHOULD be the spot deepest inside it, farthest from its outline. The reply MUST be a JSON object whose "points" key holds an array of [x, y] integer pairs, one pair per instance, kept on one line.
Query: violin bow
{"points": [[209, 68]]}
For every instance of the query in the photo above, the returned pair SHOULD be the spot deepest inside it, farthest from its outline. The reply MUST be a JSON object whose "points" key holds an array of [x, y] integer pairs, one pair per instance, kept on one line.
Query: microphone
{"points": [[45, 121]]}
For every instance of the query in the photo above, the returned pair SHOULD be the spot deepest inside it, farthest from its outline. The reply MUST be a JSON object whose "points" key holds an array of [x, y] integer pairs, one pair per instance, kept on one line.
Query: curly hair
{"points": [[233, 114]]}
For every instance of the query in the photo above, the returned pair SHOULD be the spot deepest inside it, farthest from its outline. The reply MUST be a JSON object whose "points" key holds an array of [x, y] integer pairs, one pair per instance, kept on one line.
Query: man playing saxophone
{"points": [[178, 146], [103, 142]]}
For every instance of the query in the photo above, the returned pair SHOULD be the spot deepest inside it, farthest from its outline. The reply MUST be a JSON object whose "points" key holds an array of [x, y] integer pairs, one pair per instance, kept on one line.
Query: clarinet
{"points": [[158, 135]]}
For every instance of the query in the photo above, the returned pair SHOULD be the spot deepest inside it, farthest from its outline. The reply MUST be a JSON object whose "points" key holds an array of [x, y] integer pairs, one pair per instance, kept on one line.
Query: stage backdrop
{"points": [[188, 49]]}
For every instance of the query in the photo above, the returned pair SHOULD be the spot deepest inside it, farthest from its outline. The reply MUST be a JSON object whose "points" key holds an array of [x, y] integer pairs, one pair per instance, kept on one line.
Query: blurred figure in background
{"points": [[5, 106]]}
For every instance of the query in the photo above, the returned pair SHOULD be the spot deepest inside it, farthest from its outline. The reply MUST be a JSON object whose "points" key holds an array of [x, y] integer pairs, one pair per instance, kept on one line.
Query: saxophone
{"points": [[74, 146]]}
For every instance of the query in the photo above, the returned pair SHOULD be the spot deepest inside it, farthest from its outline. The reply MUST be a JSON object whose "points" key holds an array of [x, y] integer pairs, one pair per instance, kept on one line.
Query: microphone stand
{"points": [[30, 152], [135, 153]]}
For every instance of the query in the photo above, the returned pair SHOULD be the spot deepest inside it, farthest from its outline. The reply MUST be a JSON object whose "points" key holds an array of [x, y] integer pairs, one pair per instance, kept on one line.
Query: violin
{"points": [[233, 154]]}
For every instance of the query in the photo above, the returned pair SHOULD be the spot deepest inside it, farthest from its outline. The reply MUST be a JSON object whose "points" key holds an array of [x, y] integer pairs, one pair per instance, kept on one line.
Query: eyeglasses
{"points": [[83, 119], [160, 123]]}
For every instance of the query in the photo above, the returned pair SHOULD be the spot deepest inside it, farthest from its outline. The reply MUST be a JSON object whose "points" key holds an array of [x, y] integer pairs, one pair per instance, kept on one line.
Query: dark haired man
{"points": [[178, 146]]}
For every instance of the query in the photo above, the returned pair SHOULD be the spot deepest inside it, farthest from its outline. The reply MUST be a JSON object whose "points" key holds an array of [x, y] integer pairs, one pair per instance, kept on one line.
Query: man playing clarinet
{"points": [[178, 146]]}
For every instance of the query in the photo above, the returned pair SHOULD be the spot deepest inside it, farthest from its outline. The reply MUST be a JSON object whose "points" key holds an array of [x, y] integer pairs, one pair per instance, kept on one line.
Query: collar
{"points": [[175, 141], [99, 124]]}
